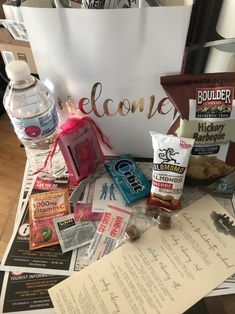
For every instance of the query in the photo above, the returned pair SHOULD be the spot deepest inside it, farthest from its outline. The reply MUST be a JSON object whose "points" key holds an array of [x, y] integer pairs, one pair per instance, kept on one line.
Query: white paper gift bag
{"points": [[106, 64]]}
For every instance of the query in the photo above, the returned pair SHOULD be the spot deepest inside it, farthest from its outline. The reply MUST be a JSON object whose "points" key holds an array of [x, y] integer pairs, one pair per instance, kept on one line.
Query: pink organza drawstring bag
{"points": [[79, 144]]}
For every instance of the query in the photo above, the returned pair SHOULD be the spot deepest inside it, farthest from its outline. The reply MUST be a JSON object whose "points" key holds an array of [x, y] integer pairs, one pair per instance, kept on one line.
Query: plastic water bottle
{"points": [[31, 108]]}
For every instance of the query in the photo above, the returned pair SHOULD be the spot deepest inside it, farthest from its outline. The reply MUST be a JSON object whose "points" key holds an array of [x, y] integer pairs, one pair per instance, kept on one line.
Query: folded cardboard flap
{"points": [[12, 49]]}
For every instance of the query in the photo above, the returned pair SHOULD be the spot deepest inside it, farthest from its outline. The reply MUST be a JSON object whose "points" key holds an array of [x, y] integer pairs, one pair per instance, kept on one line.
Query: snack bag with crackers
{"points": [[206, 105], [170, 160]]}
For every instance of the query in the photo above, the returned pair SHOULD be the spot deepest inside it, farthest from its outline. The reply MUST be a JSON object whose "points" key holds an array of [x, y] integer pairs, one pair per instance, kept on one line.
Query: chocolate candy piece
{"points": [[152, 209], [164, 219], [128, 177], [132, 232]]}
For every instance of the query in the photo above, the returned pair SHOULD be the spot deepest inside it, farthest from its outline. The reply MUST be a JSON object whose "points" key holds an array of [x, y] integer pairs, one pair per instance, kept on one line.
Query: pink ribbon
{"points": [[68, 127]]}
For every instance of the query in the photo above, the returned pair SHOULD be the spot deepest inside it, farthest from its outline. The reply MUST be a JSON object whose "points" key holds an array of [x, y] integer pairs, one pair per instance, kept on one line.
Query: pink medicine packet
{"points": [[84, 212]]}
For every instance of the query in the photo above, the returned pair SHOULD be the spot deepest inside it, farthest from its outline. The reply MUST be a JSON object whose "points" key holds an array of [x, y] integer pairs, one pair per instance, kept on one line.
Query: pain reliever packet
{"points": [[73, 234]]}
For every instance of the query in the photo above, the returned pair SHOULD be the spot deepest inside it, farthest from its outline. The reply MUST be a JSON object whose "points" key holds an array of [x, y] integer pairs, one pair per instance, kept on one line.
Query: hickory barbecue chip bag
{"points": [[206, 106]]}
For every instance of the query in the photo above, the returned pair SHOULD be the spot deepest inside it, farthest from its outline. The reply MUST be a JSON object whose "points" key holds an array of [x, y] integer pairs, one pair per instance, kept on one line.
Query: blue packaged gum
{"points": [[129, 178]]}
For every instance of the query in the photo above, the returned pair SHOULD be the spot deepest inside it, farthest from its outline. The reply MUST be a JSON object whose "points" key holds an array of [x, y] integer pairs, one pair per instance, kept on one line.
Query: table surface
{"points": [[12, 158]]}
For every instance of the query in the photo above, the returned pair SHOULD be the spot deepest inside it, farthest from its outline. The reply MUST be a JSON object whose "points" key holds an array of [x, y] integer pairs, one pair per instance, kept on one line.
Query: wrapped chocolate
{"points": [[164, 219], [207, 114], [132, 232]]}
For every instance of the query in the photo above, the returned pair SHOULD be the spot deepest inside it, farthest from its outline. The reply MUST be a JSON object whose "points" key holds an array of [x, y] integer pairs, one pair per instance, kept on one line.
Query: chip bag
{"points": [[206, 106]]}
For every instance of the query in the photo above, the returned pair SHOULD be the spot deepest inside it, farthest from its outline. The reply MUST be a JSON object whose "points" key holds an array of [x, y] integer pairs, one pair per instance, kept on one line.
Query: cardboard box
{"points": [[12, 12], [12, 49], [2, 14]]}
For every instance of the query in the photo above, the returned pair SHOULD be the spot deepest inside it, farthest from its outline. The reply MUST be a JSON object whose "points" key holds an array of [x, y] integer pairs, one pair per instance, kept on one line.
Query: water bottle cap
{"points": [[17, 70]]}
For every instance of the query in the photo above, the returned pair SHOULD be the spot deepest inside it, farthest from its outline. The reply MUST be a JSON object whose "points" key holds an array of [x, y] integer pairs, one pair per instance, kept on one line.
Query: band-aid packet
{"points": [[129, 178], [109, 233]]}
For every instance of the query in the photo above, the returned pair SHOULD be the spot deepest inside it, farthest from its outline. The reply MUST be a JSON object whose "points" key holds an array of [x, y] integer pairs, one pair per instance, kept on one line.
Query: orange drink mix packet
{"points": [[43, 208]]}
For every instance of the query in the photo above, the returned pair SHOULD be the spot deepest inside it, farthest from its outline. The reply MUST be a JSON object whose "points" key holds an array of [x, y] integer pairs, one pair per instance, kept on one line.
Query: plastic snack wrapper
{"points": [[164, 219], [170, 161], [132, 232], [109, 233], [206, 104], [43, 208]]}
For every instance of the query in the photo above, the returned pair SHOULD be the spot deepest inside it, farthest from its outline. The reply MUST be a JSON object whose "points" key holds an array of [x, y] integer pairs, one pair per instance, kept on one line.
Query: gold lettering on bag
{"points": [[124, 106], [139, 104]]}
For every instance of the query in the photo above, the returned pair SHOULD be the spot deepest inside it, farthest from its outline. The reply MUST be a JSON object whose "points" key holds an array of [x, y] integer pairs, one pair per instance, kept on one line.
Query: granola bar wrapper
{"points": [[170, 161], [206, 105]]}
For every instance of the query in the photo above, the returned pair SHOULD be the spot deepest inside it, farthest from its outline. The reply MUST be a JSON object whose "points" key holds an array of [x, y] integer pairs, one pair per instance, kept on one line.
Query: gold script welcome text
{"points": [[122, 108]]}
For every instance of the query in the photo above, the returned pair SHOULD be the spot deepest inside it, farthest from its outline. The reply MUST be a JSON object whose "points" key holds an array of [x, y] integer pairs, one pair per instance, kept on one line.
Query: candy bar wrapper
{"points": [[129, 178], [80, 147], [223, 187], [110, 232], [73, 234], [43, 208], [206, 104]]}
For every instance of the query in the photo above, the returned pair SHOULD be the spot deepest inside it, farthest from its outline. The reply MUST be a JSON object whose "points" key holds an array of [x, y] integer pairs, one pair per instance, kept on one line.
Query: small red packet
{"points": [[43, 208], [84, 212]]}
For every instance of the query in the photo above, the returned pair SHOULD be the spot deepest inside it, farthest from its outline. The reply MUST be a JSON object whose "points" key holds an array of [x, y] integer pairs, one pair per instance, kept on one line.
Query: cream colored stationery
{"points": [[165, 271]]}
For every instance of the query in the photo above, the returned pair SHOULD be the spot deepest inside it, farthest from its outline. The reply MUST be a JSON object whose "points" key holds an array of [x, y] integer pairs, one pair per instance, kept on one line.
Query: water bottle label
{"points": [[40, 126]]}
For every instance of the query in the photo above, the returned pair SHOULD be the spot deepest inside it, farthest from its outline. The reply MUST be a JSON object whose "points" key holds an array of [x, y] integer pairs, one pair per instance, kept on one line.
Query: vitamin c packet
{"points": [[43, 208]]}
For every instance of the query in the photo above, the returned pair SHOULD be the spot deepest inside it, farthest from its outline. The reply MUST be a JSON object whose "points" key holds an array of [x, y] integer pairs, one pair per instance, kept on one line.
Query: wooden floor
{"points": [[12, 163]]}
